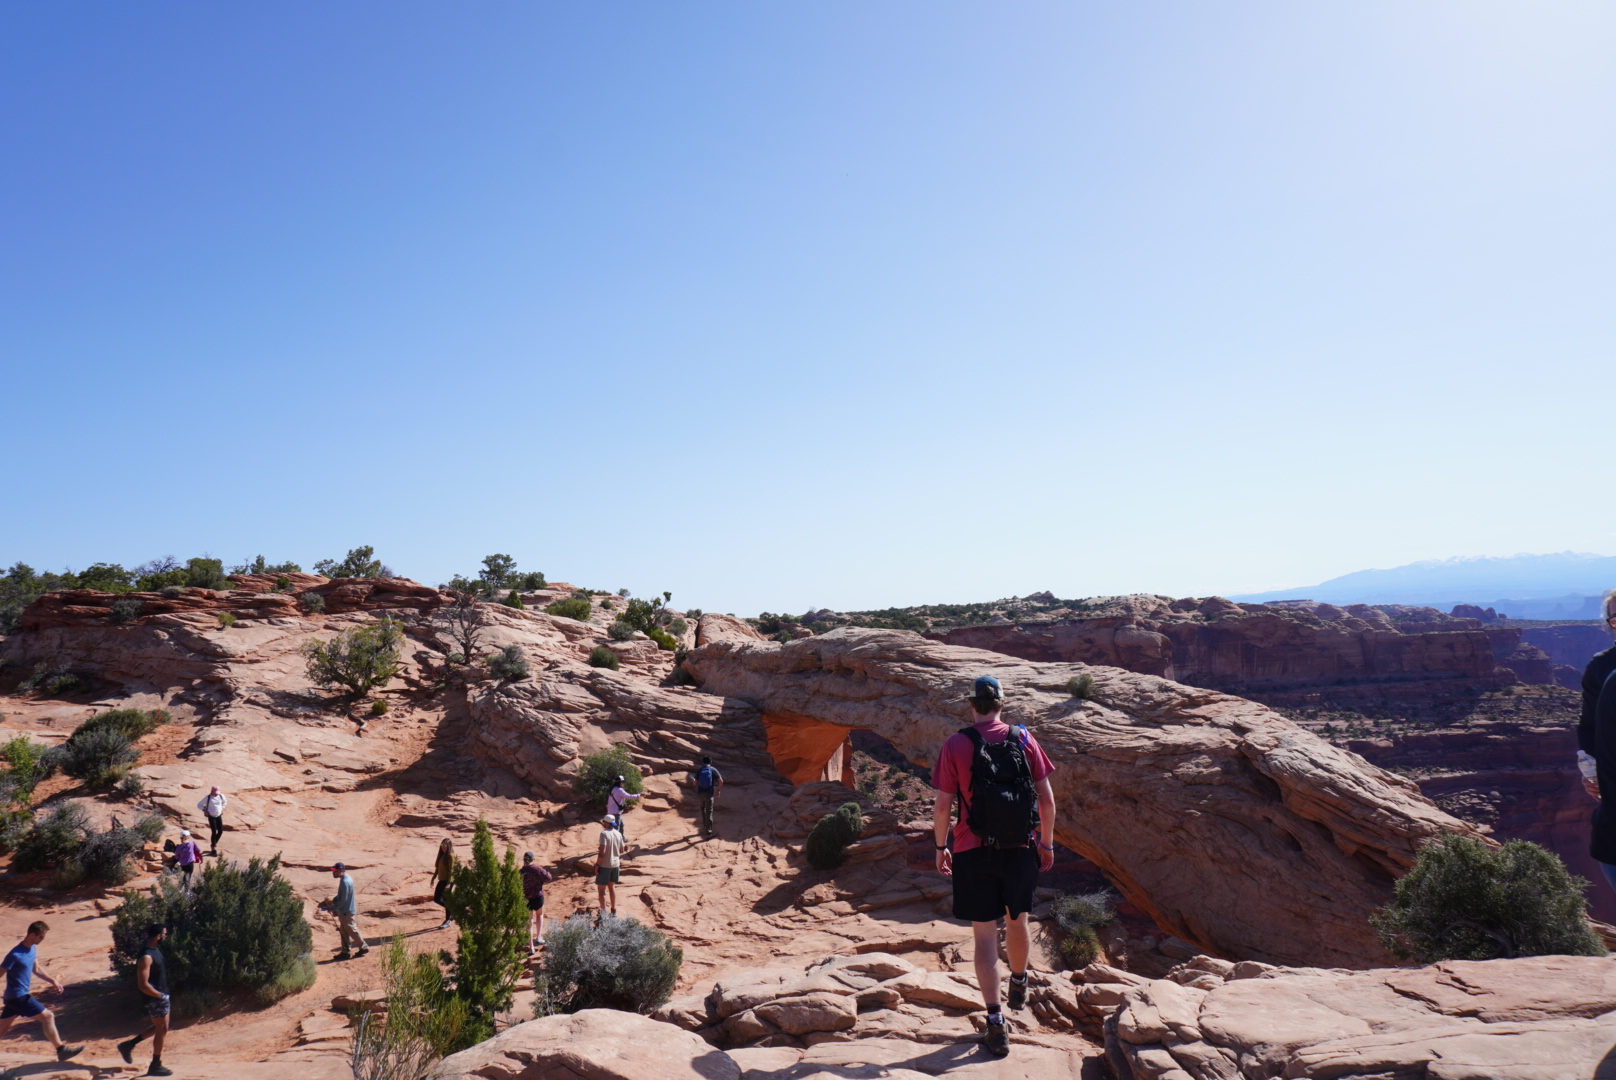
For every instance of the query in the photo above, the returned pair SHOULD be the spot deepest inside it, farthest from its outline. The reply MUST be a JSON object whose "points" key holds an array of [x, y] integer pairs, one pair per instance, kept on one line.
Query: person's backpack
{"points": [[705, 777], [1003, 808]]}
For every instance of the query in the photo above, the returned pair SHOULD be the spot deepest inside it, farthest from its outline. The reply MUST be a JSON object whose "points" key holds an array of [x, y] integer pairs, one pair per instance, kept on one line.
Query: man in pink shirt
{"points": [[1004, 836]]}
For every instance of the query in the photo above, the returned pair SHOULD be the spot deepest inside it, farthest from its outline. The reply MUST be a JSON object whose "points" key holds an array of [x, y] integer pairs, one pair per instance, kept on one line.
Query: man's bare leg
{"points": [[47, 1024], [985, 955], [1017, 943], [159, 1033], [611, 890]]}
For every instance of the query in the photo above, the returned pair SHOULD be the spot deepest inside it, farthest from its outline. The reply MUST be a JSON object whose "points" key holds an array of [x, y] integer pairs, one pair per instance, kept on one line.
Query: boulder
{"points": [[1216, 815], [597, 1044]]}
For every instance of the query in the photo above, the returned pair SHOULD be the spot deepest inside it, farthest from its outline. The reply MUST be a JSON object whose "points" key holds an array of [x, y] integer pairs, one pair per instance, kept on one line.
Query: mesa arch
{"points": [[1231, 826]]}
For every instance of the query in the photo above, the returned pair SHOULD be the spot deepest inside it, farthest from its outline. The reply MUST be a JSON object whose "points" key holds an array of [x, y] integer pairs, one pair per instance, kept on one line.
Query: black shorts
{"points": [[535, 903], [990, 881]]}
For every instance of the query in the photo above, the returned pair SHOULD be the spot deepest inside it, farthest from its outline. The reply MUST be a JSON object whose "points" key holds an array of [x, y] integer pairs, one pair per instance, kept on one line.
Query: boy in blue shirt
{"points": [[21, 965]]}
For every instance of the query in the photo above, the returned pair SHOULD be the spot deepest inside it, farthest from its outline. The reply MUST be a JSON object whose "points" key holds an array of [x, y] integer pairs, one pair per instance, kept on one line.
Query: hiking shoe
{"points": [[444, 925], [126, 1050], [1017, 997], [65, 1052], [159, 1070], [343, 956], [365, 951], [996, 1037]]}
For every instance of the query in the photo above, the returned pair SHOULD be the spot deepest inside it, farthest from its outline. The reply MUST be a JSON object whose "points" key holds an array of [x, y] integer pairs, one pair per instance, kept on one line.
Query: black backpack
{"points": [[1003, 809]]}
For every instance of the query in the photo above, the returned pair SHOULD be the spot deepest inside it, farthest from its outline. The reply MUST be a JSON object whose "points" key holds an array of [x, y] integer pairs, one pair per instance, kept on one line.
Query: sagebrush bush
{"points": [[101, 749], [664, 640], [575, 607], [109, 856], [312, 602], [620, 631], [509, 664], [601, 656], [131, 786], [126, 610], [1464, 900], [359, 659], [1073, 920], [172, 592], [65, 840], [620, 964], [237, 928], [1081, 687], [600, 770], [226, 620], [54, 839], [826, 847]]}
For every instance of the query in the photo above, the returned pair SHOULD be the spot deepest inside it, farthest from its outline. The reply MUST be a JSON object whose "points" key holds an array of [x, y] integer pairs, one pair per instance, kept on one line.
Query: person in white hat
{"points": [[186, 855]]}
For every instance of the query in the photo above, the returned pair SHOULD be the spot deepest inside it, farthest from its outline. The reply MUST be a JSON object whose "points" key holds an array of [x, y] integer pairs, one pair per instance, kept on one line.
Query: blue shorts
{"points": [[24, 1007]]}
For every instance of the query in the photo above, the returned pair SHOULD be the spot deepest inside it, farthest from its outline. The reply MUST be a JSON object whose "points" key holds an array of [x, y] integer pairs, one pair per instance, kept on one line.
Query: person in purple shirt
{"points": [[187, 854], [21, 965]]}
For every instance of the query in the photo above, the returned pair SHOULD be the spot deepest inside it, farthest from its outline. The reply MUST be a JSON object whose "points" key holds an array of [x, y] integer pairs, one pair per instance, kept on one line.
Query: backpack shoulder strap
{"points": [[974, 735]]}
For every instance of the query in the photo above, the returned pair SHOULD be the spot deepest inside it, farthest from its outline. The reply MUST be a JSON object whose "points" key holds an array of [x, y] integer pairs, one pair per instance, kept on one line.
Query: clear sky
{"points": [[790, 304]]}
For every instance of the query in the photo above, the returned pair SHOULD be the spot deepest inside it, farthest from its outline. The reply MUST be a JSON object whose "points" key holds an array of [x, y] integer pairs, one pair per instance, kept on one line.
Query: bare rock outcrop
{"points": [[597, 1044], [1536, 1018], [1231, 826]]}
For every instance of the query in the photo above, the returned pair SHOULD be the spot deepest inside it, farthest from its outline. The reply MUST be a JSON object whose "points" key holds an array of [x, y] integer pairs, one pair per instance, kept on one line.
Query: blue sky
{"points": [[832, 304]]}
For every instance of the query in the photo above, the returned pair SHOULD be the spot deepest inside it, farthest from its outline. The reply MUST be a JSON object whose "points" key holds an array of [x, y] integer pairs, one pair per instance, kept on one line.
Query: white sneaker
{"points": [[444, 925]]}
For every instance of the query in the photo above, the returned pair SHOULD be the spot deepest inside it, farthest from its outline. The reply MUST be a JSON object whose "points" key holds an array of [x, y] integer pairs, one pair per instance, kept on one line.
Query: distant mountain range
{"points": [[1566, 585]]}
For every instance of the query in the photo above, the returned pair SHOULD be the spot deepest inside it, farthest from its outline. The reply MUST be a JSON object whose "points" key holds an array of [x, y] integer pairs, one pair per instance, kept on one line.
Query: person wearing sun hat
{"points": [[999, 778], [186, 855]]}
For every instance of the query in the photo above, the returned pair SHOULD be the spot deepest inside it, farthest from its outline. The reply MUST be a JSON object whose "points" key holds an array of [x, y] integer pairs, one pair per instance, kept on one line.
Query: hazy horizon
{"points": [[840, 305]]}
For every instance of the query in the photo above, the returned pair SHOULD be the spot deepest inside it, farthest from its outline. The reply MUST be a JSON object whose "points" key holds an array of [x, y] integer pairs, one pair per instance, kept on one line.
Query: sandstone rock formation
{"points": [[1539, 1018], [1230, 825], [595, 1044]]}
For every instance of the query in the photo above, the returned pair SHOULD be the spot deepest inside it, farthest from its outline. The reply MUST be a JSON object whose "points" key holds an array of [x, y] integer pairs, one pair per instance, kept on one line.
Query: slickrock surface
{"points": [[1230, 825], [1538, 1018]]}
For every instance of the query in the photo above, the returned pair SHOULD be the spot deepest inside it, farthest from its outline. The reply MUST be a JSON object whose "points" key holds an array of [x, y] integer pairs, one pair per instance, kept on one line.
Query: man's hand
{"points": [[1591, 787], [945, 862], [1046, 857], [55, 988]]}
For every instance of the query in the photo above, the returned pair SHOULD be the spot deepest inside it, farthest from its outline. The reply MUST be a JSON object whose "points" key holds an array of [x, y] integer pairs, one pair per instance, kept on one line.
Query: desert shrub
{"points": [[531, 580], [694, 613], [608, 604], [599, 773], [164, 574], [1081, 687], [261, 565], [283, 584], [62, 682], [108, 856], [620, 631], [826, 847], [359, 563], [574, 607], [514, 600], [378, 707], [424, 1020], [226, 620], [101, 749], [131, 786], [642, 615], [238, 928], [126, 610], [486, 904], [172, 592], [664, 640], [1073, 920], [54, 839], [312, 602], [601, 656], [1464, 900], [620, 964], [509, 664], [130, 723], [678, 627], [25, 767], [359, 659], [34, 678]]}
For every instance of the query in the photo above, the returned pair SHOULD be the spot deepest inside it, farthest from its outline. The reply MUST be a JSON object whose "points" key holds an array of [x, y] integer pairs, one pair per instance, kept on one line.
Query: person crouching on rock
{"points": [[1596, 747], [443, 874], [1005, 835], [534, 878], [608, 866], [21, 965], [212, 807]]}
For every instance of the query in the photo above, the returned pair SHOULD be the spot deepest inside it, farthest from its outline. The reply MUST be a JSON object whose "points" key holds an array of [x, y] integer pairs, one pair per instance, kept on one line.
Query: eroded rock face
{"points": [[1537, 1018], [600, 1044], [1230, 825]]}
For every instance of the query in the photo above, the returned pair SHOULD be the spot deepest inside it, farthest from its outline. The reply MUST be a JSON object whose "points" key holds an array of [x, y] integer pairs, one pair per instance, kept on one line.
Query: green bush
{"points": [[226, 620], [378, 707], [261, 565], [599, 773], [678, 627], [238, 928], [1072, 923], [826, 848], [1081, 687], [359, 563], [531, 580], [509, 663], [424, 1020], [108, 856], [54, 838], [101, 749], [576, 607], [164, 574], [1464, 900], [283, 584], [172, 592], [620, 964], [486, 904], [131, 786], [126, 610], [514, 600], [312, 602], [601, 656], [359, 659], [620, 631], [664, 640], [642, 615], [25, 767]]}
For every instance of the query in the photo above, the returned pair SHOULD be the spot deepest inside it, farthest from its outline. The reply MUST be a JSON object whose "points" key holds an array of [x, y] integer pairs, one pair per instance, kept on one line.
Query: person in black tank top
{"points": [[151, 979]]}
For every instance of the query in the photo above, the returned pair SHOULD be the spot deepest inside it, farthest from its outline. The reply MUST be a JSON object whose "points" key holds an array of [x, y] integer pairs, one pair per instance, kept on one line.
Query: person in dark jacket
{"points": [[1596, 746]]}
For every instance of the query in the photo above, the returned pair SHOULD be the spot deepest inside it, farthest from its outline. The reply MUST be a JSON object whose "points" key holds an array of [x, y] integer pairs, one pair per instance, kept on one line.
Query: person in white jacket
{"points": [[213, 804]]}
